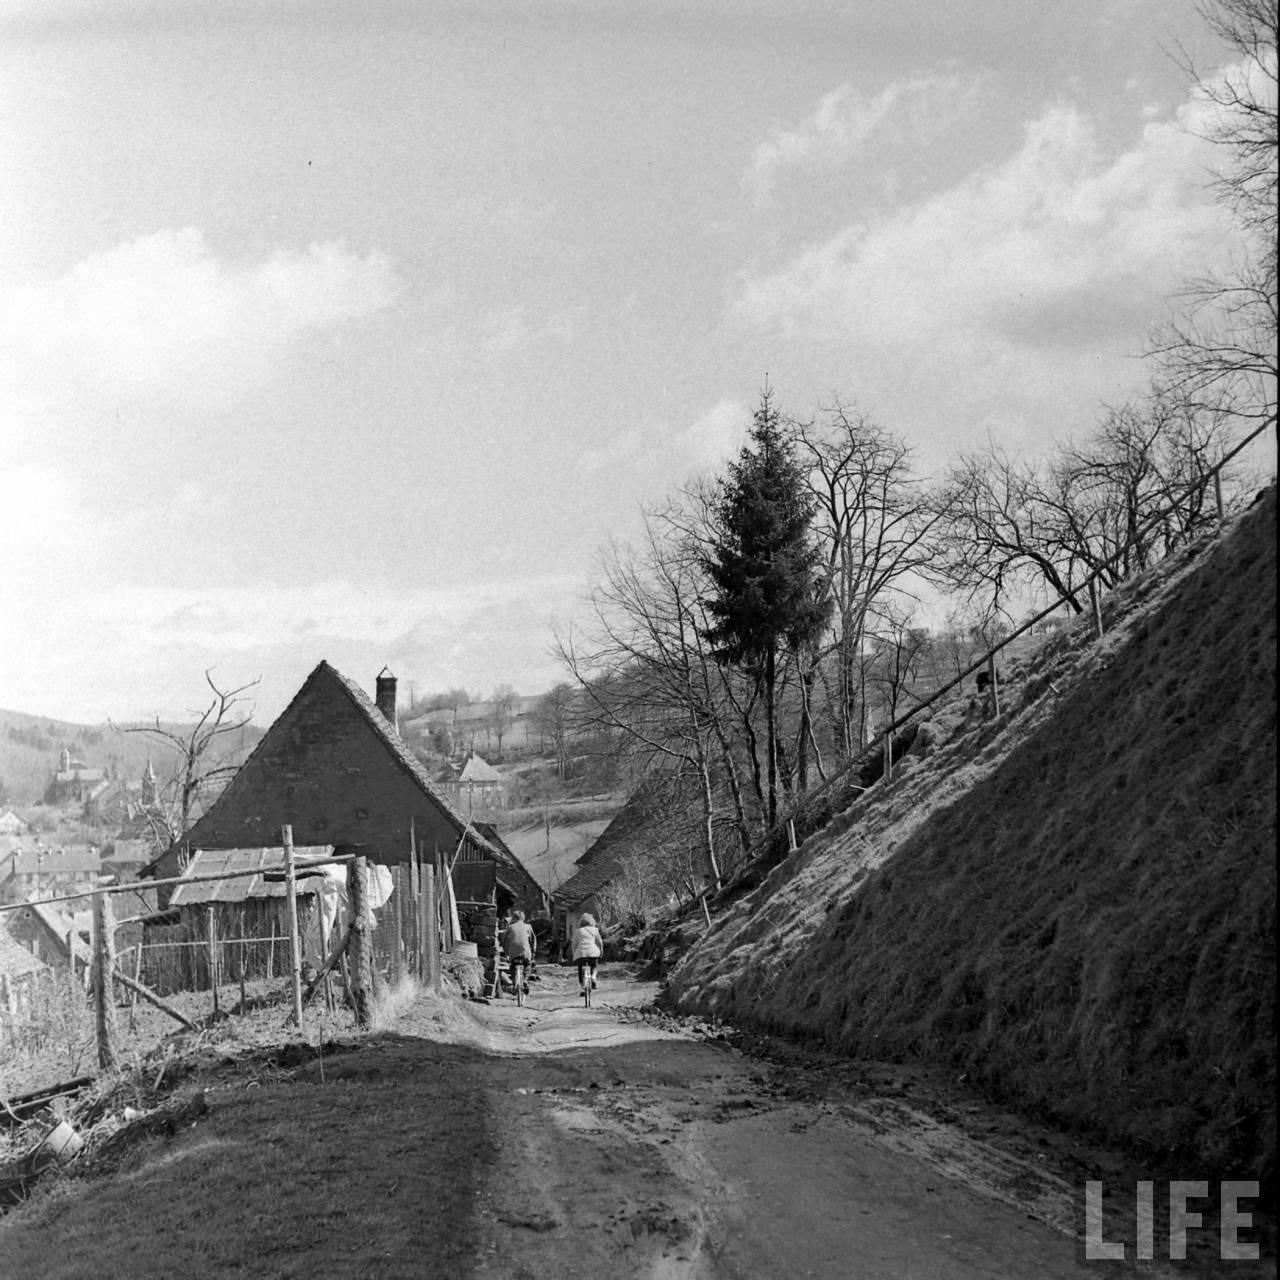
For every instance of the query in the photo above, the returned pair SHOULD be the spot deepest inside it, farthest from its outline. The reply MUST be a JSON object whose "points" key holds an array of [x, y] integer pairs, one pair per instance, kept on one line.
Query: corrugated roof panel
{"points": [[205, 862]]}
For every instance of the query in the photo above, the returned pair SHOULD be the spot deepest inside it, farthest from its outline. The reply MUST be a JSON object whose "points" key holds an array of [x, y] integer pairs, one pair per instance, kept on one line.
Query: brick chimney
{"points": [[386, 697]]}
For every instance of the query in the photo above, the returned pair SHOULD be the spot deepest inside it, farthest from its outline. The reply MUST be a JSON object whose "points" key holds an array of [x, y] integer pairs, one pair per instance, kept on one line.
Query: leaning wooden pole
{"points": [[150, 996], [295, 945], [360, 946], [104, 996]]}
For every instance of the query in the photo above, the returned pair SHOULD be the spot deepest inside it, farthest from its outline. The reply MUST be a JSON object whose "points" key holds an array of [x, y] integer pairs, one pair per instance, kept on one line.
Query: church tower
{"points": [[149, 785]]}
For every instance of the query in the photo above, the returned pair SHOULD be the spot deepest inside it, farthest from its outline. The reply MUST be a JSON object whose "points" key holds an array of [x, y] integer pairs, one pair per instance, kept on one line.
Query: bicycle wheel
{"points": [[586, 991], [518, 971]]}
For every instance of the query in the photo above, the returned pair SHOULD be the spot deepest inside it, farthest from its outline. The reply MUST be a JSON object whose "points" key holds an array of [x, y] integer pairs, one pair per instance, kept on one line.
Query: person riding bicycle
{"points": [[519, 942], [588, 947]]}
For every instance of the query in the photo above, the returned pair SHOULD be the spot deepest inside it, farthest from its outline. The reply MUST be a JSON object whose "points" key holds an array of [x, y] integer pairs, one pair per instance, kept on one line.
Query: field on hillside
{"points": [[549, 838]]}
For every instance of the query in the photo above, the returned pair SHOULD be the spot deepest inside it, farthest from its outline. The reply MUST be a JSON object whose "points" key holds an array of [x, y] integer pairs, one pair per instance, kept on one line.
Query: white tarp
{"points": [[335, 905]]}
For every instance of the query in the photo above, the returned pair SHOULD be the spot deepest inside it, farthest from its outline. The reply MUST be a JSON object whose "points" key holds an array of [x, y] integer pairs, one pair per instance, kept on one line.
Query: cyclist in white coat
{"points": [[588, 947]]}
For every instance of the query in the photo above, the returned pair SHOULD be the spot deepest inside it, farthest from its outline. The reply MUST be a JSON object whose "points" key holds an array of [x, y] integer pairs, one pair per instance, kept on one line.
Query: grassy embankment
{"points": [[1074, 904]]}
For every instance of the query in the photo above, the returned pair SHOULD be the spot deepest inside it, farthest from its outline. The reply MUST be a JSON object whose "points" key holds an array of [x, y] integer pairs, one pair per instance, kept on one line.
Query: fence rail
{"points": [[213, 945]]}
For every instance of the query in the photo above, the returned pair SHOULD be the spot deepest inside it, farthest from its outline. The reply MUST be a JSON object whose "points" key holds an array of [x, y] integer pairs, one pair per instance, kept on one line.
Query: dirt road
{"points": [[630, 1151]]}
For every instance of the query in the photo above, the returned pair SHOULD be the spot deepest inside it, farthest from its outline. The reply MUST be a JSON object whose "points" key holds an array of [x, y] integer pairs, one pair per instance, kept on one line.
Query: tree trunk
{"points": [[771, 733]]}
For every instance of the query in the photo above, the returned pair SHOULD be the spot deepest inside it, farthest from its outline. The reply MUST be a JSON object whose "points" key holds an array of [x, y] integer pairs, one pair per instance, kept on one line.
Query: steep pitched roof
{"points": [[59, 923], [663, 807], [399, 753], [478, 770]]}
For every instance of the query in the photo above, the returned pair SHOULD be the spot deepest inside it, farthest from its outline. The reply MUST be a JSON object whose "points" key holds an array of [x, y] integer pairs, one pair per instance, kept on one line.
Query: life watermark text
{"points": [[1164, 1215]]}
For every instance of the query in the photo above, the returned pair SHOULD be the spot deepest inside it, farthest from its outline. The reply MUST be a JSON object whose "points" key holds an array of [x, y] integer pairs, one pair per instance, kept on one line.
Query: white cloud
{"points": [[673, 451], [843, 122], [716, 435], [1058, 246], [149, 645], [513, 331], [163, 313]]}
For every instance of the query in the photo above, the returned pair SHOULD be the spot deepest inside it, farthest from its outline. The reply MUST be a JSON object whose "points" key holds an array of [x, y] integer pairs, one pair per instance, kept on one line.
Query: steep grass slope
{"points": [[1074, 903]]}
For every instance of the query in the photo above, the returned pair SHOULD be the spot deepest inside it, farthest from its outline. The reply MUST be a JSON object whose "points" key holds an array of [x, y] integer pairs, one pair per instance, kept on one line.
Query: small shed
{"points": [[234, 928]]}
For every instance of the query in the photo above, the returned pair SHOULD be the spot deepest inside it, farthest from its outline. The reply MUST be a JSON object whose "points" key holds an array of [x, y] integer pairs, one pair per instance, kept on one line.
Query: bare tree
{"points": [[872, 520], [898, 650], [995, 532], [202, 758], [645, 666], [552, 717], [1138, 487], [1222, 353], [504, 706]]}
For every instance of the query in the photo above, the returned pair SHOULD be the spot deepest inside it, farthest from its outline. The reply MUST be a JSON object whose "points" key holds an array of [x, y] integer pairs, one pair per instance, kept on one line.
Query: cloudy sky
{"points": [[351, 329]]}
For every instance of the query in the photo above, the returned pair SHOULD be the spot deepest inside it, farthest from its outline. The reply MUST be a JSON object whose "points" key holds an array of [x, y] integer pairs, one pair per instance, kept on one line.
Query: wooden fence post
{"points": [[431, 928], [415, 902], [398, 895], [995, 685], [211, 919], [361, 950], [104, 996], [295, 946]]}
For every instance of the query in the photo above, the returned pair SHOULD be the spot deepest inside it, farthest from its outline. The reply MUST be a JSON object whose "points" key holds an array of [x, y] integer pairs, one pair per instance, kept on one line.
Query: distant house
{"points": [[74, 782], [333, 767], [12, 825], [480, 787], [50, 873], [22, 978], [54, 936], [17, 961], [124, 859]]}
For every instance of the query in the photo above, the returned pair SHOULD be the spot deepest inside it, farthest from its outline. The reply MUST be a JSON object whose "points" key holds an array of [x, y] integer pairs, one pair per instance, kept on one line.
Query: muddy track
{"points": [[630, 1150]]}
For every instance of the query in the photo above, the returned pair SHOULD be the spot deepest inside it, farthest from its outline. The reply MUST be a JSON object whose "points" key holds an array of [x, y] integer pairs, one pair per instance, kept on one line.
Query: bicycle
{"points": [[589, 973], [520, 979]]}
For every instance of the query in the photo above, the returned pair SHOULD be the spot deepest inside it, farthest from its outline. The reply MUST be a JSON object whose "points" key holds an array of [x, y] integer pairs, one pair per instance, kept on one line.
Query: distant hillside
{"points": [[1075, 903], [30, 747]]}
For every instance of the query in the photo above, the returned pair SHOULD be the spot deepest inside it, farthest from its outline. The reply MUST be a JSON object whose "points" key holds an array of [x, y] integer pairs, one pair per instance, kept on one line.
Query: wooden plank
{"points": [[360, 942], [104, 963], [431, 928], [295, 943], [211, 919]]}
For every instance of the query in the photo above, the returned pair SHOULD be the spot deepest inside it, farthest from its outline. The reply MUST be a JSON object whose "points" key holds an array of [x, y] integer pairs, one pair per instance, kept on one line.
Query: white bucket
{"points": [[59, 1146]]}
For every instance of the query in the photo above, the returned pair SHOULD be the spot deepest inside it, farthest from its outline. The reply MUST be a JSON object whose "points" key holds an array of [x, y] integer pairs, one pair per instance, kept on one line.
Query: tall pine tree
{"points": [[768, 599]]}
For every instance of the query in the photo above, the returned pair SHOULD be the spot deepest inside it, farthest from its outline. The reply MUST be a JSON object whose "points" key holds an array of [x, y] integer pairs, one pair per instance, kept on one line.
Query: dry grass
{"points": [[1075, 907], [268, 1163]]}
